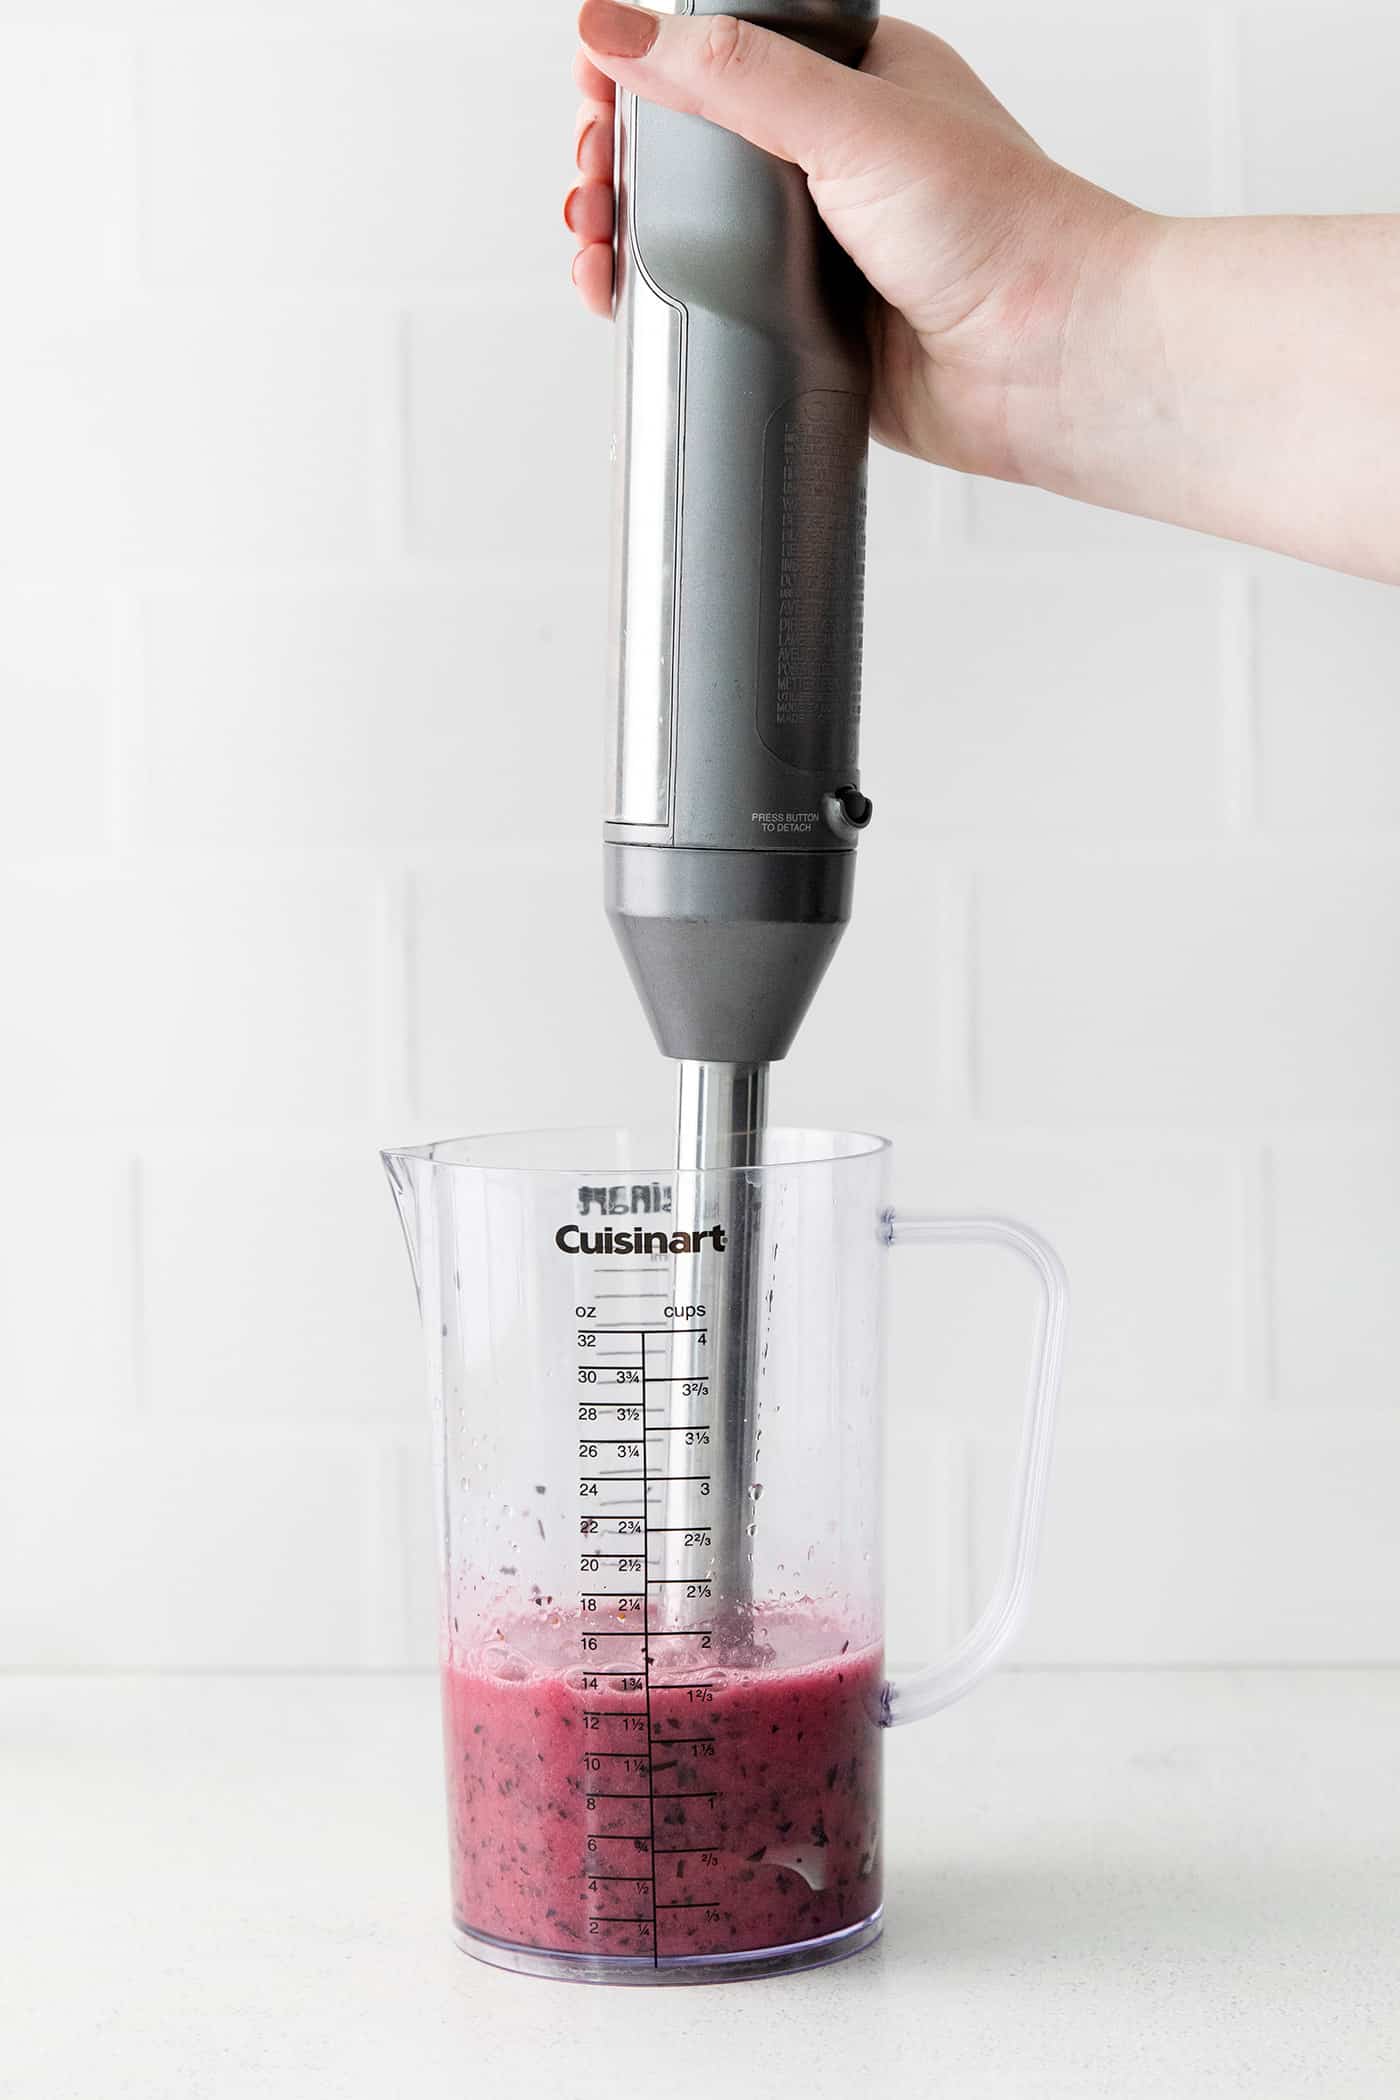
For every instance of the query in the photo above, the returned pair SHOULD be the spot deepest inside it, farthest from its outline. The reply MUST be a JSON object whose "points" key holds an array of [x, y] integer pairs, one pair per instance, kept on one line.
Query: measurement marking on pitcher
{"points": [[643, 1467], [646, 1671], [661, 1429], [625, 1327]]}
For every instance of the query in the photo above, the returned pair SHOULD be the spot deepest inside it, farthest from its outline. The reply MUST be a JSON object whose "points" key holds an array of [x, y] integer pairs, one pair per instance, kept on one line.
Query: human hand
{"points": [[988, 259], [1237, 376]]}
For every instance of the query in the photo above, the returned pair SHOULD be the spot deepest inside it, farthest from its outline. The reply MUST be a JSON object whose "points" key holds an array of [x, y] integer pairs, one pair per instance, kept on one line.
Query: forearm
{"points": [[1238, 376]]}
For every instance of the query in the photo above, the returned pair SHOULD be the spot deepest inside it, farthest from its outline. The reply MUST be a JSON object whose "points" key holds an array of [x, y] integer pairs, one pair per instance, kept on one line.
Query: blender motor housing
{"points": [[740, 437]]}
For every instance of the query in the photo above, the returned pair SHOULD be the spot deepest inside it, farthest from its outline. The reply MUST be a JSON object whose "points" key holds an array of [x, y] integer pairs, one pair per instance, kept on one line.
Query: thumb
{"points": [[775, 93]]}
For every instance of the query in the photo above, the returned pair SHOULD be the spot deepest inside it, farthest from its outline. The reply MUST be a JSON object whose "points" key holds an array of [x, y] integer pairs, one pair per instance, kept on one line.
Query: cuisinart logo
{"points": [[572, 1239]]}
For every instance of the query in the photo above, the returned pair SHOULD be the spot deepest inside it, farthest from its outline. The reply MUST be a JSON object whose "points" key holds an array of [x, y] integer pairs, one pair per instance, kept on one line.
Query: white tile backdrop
{"points": [[302, 507]]}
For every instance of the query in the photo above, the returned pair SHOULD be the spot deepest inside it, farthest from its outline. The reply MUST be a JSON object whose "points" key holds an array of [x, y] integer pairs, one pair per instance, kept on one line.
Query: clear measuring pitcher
{"points": [[663, 1680]]}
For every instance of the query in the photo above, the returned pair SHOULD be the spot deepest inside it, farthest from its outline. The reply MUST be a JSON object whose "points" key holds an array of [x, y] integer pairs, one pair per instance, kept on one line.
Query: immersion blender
{"points": [[734, 807]]}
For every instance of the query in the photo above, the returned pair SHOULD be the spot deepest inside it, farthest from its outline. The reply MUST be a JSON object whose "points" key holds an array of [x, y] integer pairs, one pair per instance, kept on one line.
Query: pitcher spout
{"points": [[404, 1171]]}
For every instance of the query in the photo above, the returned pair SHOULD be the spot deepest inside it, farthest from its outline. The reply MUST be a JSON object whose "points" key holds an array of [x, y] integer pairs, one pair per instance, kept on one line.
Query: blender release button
{"points": [[847, 811]]}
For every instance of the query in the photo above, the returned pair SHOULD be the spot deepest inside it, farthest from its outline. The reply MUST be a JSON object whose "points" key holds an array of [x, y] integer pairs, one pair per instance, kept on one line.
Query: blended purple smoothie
{"points": [[760, 1826]]}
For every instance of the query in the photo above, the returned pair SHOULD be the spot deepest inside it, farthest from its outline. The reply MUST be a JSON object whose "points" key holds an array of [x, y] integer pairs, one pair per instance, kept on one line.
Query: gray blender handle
{"points": [[740, 436]]}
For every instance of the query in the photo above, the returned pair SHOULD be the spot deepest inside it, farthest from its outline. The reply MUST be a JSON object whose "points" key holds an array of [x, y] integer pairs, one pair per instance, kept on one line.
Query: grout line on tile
{"points": [[125, 720], [1223, 88], [138, 1353], [1262, 1277], [1238, 709]]}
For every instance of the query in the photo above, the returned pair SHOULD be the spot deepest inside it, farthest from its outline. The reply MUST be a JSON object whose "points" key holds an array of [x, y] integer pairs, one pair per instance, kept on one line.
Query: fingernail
{"points": [[614, 31], [569, 208], [584, 136]]}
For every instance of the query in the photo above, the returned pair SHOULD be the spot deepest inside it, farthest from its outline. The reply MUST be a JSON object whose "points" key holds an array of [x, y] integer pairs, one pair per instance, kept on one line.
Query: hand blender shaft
{"points": [[740, 434]]}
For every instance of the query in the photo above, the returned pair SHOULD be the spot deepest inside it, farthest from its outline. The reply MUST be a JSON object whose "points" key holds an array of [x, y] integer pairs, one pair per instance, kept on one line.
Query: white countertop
{"points": [[1178, 1884]]}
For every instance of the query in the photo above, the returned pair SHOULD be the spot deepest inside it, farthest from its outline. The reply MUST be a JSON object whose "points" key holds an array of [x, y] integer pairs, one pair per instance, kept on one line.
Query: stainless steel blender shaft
{"points": [[721, 1115]]}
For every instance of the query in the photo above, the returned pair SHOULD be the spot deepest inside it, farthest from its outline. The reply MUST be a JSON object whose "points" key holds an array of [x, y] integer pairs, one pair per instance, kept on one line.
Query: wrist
{"points": [[1095, 416]]}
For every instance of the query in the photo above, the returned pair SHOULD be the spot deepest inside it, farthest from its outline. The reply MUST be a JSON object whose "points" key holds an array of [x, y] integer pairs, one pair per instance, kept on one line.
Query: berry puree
{"points": [[728, 1808]]}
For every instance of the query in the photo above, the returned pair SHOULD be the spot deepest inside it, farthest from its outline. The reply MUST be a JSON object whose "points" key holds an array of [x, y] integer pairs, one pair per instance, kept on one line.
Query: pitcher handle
{"points": [[925, 1691]]}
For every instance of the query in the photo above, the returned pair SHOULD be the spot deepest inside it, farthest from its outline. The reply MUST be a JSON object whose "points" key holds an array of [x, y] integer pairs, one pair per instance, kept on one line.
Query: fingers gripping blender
{"points": [[734, 805]]}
